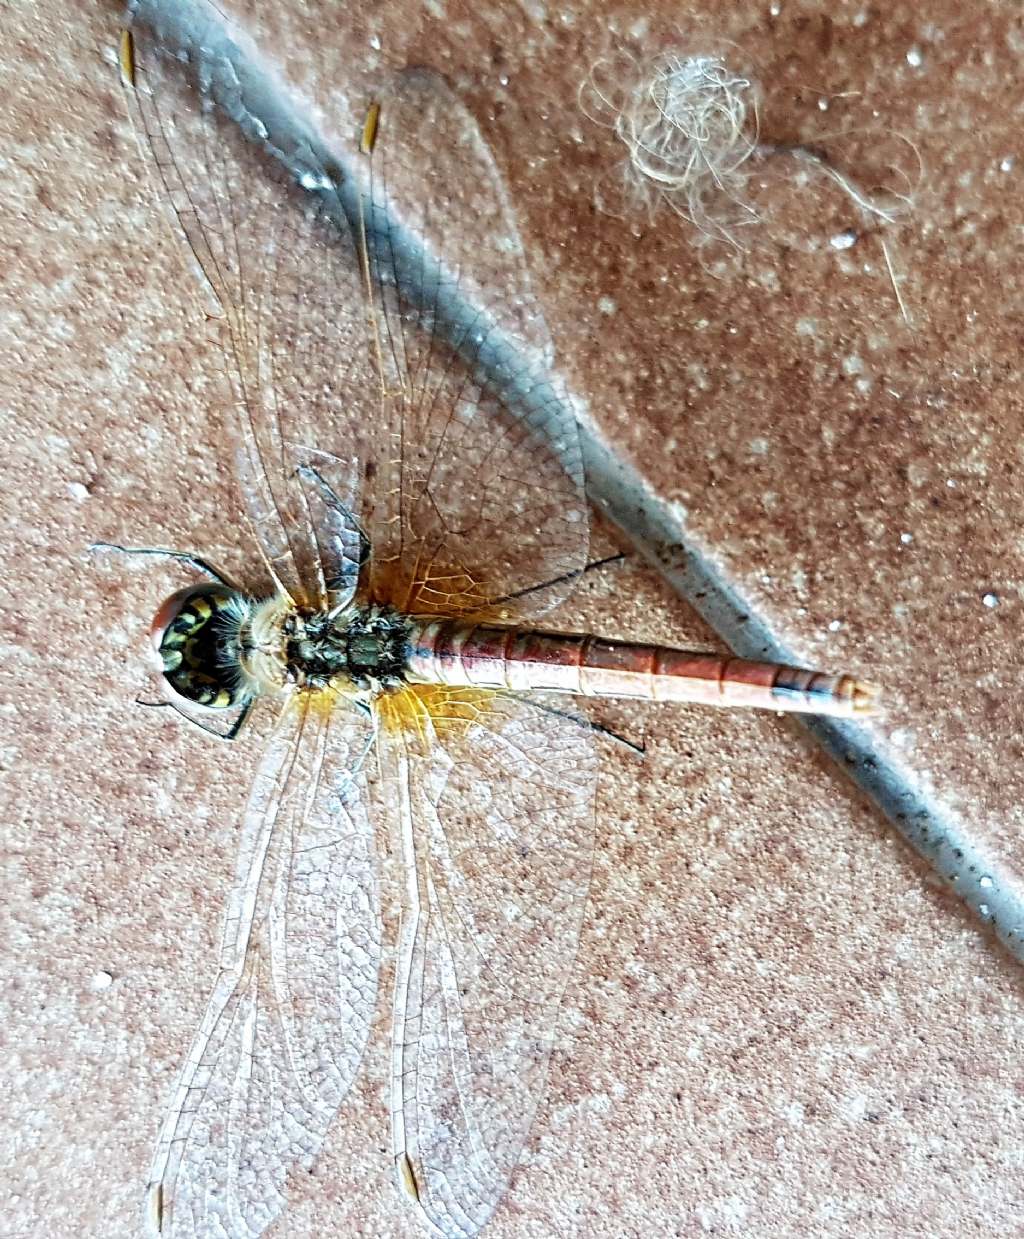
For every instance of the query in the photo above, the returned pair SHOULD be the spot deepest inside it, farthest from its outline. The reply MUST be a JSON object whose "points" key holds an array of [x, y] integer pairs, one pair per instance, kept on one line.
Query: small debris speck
{"points": [[78, 490], [990, 600], [914, 58], [843, 240], [101, 981], [1006, 165], [607, 305], [984, 909], [985, 882], [906, 538], [835, 625]]}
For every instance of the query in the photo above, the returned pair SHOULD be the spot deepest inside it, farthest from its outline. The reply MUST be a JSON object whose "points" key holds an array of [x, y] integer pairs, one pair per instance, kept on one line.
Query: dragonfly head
{"points": [[197, 633]]}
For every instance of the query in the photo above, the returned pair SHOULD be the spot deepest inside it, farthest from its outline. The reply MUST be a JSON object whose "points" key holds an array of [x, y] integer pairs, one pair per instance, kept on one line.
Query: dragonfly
{"points": [[414, 492]]}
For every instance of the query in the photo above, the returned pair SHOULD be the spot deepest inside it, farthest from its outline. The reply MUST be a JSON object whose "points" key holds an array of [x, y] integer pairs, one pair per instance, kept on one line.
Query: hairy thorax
{"points": [[363, 650]]}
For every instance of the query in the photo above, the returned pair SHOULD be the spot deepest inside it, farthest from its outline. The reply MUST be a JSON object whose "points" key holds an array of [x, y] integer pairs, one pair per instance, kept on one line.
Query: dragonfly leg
{"points": [[230, 734], [185, 557], [588, 725], [566, 576], [617, 558]]}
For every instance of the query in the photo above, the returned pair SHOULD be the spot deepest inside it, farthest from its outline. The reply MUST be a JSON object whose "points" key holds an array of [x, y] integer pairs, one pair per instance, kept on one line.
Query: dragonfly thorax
{"points": [[366, 647], [219, 648]]}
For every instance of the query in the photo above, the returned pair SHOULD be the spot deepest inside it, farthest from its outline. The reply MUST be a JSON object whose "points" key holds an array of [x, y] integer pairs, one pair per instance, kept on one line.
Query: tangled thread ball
{"points": [[691, 125], [685, 125]]}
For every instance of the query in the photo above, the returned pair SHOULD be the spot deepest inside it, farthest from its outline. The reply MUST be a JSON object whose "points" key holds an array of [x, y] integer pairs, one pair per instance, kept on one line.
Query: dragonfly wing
{"points": [[496, 823], [287, 1022], [435, 383], [486, 458], [283, 291]]}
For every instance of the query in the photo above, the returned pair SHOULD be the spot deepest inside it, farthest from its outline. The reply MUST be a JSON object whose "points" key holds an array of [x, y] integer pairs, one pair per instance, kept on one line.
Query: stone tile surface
{"points": [[781, 1023]]}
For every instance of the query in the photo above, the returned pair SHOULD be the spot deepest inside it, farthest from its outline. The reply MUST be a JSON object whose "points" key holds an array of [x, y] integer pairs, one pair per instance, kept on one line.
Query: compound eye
{"points": [[169, 611], [195, 632]]}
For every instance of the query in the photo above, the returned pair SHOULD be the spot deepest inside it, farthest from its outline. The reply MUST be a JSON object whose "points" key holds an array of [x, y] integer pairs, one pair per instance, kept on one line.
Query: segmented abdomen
{"points": [[459, 654]]}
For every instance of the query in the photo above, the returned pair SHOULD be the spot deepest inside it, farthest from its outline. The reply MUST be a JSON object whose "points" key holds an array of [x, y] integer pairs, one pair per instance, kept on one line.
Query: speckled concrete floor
{"points": [[781, 1023]]}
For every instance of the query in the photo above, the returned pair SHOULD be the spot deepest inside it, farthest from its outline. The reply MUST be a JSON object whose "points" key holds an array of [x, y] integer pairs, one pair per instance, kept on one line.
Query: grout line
{"points": [[614, 486], [923, 821]]}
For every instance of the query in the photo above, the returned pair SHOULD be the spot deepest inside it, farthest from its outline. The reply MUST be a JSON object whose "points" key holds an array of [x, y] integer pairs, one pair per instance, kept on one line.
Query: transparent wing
{"points": [[283, 289], [486, 461], [496, 821], [349, 295], [382, 345], [287, 1021]]}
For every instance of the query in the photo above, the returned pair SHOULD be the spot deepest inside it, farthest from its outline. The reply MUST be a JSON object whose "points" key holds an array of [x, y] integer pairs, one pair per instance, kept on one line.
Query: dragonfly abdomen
{"points": [[483, 656]]}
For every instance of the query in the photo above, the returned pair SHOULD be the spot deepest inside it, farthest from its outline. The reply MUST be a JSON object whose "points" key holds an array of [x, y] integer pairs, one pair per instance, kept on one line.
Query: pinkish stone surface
{"points": [[780, 1024]]}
